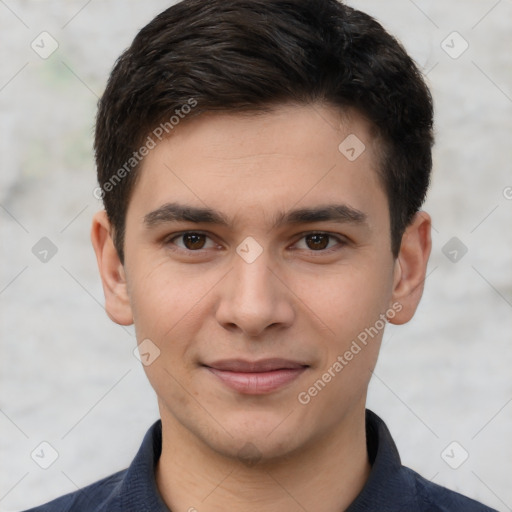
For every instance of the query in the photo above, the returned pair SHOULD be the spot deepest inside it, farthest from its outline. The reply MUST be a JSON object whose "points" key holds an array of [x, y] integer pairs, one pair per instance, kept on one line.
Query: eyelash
{"points": [[341, 242]]}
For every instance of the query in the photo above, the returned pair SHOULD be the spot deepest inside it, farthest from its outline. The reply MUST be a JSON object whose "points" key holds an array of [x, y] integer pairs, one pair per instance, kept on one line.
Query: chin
{"points": [[260, 443]]}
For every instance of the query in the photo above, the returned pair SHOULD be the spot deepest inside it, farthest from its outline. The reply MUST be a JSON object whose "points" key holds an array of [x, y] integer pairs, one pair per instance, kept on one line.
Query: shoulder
{"points": [[432, 497], [99, 496], [133, 488], [394, 487]]}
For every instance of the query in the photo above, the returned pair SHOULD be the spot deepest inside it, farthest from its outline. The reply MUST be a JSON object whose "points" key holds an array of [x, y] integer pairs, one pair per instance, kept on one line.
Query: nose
{"points": [[254, 298]]}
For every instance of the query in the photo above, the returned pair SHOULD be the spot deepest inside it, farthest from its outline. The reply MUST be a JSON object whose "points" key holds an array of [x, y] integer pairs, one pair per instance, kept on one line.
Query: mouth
{"points": [[256, 377]]}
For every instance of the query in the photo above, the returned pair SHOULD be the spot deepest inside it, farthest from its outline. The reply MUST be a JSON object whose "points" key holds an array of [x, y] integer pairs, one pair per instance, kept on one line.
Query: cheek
{"points": [[346, 301], [350, 304], [167, 305], [165, 298]]}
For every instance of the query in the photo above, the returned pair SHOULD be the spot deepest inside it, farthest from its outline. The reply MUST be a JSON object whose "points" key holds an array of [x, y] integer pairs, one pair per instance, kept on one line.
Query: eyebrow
{"points": [[341, 213], [175, 212]]}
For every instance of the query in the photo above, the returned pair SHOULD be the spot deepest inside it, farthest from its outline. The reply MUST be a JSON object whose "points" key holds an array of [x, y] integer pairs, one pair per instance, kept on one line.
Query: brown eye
{"points": [[194, 241], [317, 241], [191, 244]]}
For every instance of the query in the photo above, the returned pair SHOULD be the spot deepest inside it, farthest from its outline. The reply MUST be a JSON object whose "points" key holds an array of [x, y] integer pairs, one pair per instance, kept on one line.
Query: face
{"points": [[254, 237]]}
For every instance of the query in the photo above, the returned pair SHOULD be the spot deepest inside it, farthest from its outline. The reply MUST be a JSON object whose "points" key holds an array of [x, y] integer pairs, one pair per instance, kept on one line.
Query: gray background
{"points": [[68, 374]]}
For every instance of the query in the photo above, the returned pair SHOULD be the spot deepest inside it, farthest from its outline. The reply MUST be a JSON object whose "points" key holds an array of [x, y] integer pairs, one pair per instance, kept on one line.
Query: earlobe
{"points": [[411, 267], [112, 272]]}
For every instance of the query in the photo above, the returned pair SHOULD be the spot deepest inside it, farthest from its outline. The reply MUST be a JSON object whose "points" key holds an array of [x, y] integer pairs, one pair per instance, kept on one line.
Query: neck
{"points": [[325, 476]]}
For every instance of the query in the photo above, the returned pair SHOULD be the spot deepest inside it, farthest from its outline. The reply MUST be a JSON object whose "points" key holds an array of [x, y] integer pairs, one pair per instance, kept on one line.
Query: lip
{"points": [[256, 377], [263, 365]]}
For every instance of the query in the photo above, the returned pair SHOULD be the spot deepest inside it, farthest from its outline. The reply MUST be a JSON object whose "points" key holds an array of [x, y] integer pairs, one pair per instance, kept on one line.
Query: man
{"points": [[262, 165]]}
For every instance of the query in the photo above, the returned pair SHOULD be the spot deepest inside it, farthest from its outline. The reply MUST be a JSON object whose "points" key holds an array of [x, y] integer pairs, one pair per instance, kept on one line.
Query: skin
{"points": [[296, 300]]}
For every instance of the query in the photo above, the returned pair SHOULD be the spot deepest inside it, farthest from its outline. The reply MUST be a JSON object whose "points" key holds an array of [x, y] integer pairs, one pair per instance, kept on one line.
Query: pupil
{"points": [[194, 241], [317, 242]]}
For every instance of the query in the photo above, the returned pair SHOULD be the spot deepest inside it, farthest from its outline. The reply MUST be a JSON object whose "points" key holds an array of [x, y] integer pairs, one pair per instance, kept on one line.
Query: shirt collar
{"points": [[386, 486], [389, 485], [138, 489]]}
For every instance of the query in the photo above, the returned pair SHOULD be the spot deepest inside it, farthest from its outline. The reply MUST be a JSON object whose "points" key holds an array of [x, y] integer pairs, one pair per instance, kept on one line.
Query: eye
{"points": [[192, 241], [319, 242]]}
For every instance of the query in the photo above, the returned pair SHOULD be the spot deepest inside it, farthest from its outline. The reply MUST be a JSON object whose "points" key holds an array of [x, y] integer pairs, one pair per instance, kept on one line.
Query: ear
{"points": [[113, 277], [411, 268]]}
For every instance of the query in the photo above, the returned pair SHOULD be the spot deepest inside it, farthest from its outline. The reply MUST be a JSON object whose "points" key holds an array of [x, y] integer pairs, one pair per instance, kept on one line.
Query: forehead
{"points": [[263, 163]]}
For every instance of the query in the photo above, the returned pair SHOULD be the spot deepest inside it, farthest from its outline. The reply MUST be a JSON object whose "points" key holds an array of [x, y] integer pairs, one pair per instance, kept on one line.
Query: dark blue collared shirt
{"points": [[390, 487]]}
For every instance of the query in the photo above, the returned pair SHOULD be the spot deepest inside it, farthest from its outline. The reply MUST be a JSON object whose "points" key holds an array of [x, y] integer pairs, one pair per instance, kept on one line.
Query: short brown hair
{"points": [[247, 55]]}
